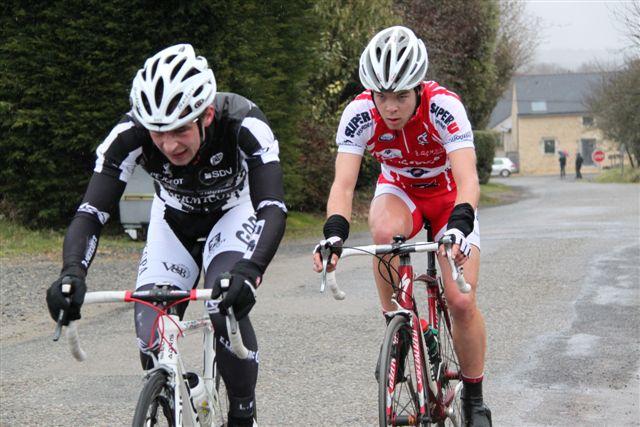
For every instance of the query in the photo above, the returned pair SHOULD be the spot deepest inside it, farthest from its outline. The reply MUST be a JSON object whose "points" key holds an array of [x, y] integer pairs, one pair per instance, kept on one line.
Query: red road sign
{"points": [[597, 156]]}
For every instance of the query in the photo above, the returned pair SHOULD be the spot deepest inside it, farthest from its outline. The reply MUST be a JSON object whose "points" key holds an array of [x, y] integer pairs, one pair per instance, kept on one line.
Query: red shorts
{"points": [[435, 206]]}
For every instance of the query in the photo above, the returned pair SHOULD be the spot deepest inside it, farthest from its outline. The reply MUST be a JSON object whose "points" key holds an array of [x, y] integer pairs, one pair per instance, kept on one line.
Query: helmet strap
{"points": [[201, 130], [418, 91]]}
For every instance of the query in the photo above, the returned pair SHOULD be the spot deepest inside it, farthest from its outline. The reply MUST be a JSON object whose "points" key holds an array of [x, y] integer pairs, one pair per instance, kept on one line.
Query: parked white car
{"points": [[503, 166]]}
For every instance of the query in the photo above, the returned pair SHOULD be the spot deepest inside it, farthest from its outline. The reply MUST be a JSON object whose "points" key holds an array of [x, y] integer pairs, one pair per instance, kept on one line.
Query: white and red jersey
{"points": [[414, 157]]}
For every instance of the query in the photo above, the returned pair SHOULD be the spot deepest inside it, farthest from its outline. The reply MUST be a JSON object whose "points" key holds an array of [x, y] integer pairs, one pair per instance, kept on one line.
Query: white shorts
{"points": [[166, 259]]}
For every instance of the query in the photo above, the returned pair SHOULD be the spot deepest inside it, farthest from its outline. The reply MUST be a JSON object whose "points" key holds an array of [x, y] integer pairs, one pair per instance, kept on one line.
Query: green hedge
{"points": [[67, 71], [486, 142]]}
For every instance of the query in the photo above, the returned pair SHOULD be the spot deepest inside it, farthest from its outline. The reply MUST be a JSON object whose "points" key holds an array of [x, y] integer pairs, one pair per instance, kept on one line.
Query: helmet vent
{"points": [[191, 72], [145, 103], [173, 103], [198, 91], [159, 91], [154, 67], [169, 59], [177, 68]]}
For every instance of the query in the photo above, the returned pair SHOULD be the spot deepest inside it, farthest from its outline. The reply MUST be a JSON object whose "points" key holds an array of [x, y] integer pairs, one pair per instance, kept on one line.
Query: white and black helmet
{"points": [[394, 60], [172, 89]]}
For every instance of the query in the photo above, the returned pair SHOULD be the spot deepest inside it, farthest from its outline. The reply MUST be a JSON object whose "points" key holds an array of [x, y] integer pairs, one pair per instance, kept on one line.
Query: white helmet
{"points": [[394, 60], [173, 88]]}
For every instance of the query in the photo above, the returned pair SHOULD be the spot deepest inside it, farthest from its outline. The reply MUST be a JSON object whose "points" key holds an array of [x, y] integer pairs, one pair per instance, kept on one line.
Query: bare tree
{"points": [[628, 15], [615, 103], [518, 33]]}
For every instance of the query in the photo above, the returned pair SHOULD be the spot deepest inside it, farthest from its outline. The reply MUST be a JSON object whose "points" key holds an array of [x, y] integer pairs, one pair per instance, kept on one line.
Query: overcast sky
{"points": [[575, 32]]}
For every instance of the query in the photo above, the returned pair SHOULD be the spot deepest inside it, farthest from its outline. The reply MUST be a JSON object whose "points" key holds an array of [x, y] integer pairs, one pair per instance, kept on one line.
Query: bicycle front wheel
{"points": [[449, 369], [155, 405], [398, 395]]}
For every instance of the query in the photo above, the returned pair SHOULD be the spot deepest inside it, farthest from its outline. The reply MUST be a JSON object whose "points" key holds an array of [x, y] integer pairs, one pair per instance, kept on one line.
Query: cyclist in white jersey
{"points": [[218, 205], [420, 133]]}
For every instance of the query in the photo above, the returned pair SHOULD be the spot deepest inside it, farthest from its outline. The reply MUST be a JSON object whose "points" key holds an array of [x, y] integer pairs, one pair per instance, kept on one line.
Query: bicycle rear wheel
{"points": [[155, 405], [398, 399], [449, 369]]}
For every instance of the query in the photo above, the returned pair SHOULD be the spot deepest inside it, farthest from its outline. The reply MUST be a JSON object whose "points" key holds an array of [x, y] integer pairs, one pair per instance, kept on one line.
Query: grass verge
{"points": [[616, 176], [17, 241]]}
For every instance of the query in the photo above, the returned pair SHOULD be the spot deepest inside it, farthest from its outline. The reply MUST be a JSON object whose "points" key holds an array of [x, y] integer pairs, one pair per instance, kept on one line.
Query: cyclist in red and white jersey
{"points": [[420, 133]]}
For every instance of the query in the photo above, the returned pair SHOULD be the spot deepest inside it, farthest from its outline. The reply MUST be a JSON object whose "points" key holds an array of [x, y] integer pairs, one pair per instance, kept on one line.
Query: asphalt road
{"points": [[559, 289]]}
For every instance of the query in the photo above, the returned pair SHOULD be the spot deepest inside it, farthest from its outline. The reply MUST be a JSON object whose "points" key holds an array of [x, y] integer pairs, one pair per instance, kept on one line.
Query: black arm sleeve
{"points": [[267, 195], [81, 240]]}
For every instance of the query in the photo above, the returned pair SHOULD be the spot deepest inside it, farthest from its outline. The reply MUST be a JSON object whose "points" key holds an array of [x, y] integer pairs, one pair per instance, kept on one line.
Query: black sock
{"points": [[472, 389], [240, 422]]}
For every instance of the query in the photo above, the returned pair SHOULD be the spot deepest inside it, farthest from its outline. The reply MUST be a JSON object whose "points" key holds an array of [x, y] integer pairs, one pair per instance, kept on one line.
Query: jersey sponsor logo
{"points": [[194, 201], [207, 176], [347, 142], [386, 137], [166, 179], [103, 217], [179, 269], [166, 169], [255, 237], [389, 153], [247, 229], [212, 306], [215, 242], [216, 159], [428, 153], [253, 355], [359, 122], [423, 185], [444, 118], [422, 138], [467, 136], [418, 172], [91, 249], [142, 267]]}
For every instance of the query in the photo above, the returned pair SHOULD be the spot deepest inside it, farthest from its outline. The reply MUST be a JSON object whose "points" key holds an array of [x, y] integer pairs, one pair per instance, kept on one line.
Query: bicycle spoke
{"points": [[448, 404]]}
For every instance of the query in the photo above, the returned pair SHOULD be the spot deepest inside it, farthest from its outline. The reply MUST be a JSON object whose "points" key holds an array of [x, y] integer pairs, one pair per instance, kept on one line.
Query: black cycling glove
{"points": [[241, 294], [71, 304]]}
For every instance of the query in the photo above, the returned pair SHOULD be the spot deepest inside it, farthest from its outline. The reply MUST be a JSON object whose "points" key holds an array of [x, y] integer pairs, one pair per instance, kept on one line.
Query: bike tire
{"points": [[155, 405], [450, 367], [400, 406], [221, 393]]}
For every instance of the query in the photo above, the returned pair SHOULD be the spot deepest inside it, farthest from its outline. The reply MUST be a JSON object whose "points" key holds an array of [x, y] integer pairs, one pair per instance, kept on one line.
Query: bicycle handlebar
{"points": [[329, 277], [153, 295]]}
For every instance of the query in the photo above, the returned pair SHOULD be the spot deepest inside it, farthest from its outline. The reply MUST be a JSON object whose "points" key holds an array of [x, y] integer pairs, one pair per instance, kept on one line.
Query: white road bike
{"points": [[166, 398]]}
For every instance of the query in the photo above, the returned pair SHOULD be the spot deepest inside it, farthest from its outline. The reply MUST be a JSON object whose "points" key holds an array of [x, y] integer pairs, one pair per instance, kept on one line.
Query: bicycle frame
{"points": [[171, 329], [406, 300]]}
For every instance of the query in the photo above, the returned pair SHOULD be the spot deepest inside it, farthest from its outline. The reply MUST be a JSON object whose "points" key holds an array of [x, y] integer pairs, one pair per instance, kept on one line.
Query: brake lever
{"points": [[66, 289], [325, 253]]}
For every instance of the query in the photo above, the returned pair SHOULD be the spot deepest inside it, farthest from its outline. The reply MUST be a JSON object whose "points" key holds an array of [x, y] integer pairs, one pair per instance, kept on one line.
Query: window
{"points": [[539, 106], [549, 146], [587, 121], [587, 146], [497, 162]]}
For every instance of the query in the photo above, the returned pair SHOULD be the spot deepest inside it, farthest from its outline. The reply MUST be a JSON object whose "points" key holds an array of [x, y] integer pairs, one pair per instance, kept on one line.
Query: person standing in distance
{"points": [[579, 161], [218, 205], [419, 132], [562, 159]]}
